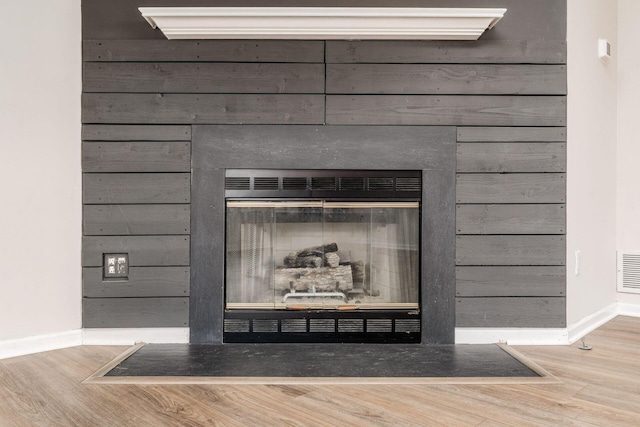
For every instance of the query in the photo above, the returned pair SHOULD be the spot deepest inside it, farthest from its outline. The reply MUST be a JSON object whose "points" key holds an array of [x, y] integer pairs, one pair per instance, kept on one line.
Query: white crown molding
{"points": [[322, 23]]}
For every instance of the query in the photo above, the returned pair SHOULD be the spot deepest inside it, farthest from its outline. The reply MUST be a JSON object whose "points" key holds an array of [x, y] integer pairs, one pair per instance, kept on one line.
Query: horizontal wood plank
{"points": [[388, 147], [196, 77], [443, 110], [142, 282], [144, 251], [447, 79], [510, 250], [512, 134], [121, 220], [511, 188], [547, 312], [433, 52], [510, 281], [136, 133], [510, 157], [138, 156], [511, 219], [202, 108], [136, 188], [135, 312], [204, 50]]}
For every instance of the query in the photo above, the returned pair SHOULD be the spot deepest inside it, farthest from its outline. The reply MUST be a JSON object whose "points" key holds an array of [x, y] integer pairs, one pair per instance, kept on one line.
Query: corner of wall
{"points": [[591, 154]]}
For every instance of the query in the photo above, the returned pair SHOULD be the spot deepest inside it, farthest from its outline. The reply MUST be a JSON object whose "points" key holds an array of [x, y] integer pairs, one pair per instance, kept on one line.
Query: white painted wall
{"points": [[591, 152], [628, 135], [40, 180]]}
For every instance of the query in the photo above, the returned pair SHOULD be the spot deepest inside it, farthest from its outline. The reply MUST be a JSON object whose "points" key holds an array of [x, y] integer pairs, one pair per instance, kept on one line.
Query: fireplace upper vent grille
{"points": [[237, 183], [324, 183]]}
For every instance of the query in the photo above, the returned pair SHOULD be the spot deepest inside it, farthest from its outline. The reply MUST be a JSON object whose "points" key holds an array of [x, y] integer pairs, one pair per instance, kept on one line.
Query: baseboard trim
{"points": [[40, 343], [535, 336], [592, 322], [130, 336], [632, 310], [512, 336]]}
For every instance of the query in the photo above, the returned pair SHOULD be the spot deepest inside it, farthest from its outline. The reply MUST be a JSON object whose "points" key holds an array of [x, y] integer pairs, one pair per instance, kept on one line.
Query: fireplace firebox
{"points": [[322, 256]]}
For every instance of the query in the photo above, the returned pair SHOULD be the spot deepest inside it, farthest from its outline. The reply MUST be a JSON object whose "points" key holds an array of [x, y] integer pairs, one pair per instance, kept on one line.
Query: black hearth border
{"points": [[431, 149]]}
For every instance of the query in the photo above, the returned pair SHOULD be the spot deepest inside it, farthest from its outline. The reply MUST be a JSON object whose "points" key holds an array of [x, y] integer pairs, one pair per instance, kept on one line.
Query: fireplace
{"points": [[322, 234], [322, 256]]}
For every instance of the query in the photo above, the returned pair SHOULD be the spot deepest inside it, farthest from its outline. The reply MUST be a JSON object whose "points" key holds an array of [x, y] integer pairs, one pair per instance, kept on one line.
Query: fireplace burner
{"points": [[322, 256]]}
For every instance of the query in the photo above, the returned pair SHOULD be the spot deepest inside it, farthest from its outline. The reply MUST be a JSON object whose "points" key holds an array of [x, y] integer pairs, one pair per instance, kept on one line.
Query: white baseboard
{"points": [[625, 309], [126, 336], [534, 336], [130, 336], [592, 322], [40, 343], [512, 336]]}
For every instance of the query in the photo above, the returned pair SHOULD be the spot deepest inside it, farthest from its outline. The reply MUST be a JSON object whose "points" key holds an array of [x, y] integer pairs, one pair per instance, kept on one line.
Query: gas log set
{"points": [[321, 271]]}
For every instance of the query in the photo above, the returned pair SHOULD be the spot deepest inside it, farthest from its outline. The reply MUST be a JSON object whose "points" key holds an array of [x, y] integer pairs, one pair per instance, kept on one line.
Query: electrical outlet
{"points": [[116, 266]]}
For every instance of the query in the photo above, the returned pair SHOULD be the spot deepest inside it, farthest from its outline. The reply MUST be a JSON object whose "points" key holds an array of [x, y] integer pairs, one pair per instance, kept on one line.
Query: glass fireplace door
{"points": [[317, 254]]}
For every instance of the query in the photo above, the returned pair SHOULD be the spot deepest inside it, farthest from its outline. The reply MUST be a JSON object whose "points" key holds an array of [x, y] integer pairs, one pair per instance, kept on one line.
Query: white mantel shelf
{"points": [[322, 23]]}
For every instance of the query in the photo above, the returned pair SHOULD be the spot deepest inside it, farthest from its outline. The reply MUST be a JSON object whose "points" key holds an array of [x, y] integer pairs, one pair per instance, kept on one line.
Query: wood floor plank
{"points": [[599, 388]]}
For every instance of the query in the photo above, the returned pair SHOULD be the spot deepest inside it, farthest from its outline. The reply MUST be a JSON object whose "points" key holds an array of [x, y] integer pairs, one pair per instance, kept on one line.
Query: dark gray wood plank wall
{"points": [[140, 99], [505, 94]]}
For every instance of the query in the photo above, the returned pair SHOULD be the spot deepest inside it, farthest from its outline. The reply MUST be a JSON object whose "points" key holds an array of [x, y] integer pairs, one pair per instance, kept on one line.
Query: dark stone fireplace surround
{"points": [[431, 149]]}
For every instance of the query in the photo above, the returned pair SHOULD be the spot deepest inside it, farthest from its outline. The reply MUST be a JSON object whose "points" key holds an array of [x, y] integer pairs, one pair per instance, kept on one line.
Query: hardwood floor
{"points": [[600, 387]]}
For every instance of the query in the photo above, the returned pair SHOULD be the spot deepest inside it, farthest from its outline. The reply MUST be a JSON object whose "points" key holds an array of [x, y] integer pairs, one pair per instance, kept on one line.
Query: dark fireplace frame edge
{"points": [[431, 149]]}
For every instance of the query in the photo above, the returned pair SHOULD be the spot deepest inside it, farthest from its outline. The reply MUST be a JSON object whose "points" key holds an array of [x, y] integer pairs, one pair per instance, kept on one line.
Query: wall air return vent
{"points": [[629, 271]]}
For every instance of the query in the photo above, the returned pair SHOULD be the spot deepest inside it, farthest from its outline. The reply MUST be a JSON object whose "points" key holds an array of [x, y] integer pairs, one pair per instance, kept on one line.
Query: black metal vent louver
{"points": [[407, 325], [323, 183], [380, 184], [265, 183], [236, 325], [294, 183], [237, 183], [379, 325], [352, 184], [408, 184]]}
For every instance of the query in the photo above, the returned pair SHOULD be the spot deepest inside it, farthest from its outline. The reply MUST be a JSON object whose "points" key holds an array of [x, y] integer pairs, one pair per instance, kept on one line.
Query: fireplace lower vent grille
{"points": [[236, 325], [260, 325], [360, 327]]}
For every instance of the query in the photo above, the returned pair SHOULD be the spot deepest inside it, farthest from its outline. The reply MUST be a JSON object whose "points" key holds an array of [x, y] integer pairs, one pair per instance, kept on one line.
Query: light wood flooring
{"points": [[600, 387]]}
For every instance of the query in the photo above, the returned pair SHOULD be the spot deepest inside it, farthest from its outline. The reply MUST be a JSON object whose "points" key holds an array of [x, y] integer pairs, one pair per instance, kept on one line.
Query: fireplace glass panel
{"points": [[317, 254]]}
